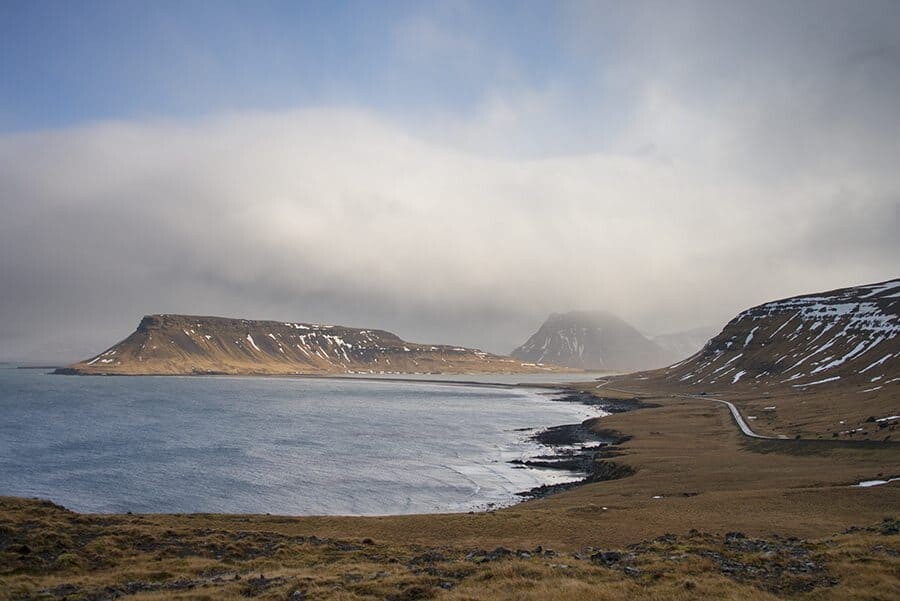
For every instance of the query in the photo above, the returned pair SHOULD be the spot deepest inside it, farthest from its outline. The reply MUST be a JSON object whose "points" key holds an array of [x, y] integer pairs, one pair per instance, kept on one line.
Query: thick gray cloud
{"points": [[738, 155]]}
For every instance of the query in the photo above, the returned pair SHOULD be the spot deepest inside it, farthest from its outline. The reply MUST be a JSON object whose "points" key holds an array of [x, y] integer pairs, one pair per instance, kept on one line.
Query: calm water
{"points": [[277, 445]]}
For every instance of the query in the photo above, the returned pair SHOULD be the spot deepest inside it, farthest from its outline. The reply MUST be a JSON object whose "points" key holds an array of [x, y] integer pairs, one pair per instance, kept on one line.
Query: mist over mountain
{"points": [[684, 344], [598, 340]]}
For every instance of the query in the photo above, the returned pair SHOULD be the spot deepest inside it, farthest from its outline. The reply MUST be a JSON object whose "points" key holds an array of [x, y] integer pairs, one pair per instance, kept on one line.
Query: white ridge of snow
{"points": [[253, 344], [827, 327], [879, 288], [735, 358], [861, 348], [889, 418], [750, 336], [832, 379], [796, 376], [812, 354], [737, 376], [784, 324], [876, 364]]}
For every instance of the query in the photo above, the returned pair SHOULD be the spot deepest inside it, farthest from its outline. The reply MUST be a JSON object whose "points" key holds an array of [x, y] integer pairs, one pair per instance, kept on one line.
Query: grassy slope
{"points": [[817, 416], [686, 450]]}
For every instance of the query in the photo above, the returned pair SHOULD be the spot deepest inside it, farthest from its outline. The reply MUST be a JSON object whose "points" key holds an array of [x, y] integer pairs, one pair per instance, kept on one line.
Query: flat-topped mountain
{"points": [[842, 337], [185, 344], [594, 340]]}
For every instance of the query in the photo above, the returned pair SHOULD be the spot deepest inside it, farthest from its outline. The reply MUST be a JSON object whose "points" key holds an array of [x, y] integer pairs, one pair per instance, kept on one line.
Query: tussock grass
{"points": [[49, 553]]}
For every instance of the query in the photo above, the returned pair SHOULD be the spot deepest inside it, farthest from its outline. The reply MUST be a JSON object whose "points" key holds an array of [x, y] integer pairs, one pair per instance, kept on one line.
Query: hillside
{"points": [[823, 365], [846, 336], [184, 344], [593, 340]]}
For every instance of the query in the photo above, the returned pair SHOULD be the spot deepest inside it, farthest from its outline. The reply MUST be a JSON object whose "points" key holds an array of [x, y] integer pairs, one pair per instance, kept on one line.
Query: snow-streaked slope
{"points": [[185, 344], [593, 340], [842, 337]]}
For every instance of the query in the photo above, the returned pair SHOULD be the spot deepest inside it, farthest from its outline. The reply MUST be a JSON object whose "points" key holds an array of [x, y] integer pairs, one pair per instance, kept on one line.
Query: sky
{"points": [[450, 171]]}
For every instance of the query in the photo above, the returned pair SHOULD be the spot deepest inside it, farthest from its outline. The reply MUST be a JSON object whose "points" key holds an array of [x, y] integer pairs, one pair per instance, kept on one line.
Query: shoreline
{"points": [[583, 447], [397, 377]]}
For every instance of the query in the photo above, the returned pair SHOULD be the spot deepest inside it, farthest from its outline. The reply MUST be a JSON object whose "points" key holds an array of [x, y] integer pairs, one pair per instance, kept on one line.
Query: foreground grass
{"points": [[47, 552]]}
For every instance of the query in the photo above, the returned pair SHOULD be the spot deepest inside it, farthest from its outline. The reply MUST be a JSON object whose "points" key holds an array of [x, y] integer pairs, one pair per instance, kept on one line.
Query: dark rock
{"points": [[606, 558], [427, 558], [256, 586], [889, 526], [733, 536]]}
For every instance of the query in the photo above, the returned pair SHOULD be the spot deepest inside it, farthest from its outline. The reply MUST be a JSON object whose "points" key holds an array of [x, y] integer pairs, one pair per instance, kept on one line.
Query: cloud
{"points": [[339, 216], [763, 89]]}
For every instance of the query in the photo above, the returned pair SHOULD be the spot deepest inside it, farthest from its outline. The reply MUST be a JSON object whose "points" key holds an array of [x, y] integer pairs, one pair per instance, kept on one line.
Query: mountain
{"points": [[185, 344], [842, 337], [593, 340], [685, 344]]}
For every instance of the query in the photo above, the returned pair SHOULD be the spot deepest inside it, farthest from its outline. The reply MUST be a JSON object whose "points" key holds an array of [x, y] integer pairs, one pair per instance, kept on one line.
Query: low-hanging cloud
{"points": [[337, 216]]}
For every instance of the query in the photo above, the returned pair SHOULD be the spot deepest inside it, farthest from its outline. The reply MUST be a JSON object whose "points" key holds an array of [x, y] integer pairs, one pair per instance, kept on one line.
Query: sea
{"points": [[288, 446]]}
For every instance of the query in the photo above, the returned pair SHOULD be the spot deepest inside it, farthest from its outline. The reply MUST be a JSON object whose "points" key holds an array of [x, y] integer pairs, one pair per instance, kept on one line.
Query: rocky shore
{"points": [[582, 448]]}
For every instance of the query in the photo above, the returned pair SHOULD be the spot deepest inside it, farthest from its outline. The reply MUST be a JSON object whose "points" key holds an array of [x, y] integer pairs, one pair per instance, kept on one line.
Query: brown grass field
{"points": [[734, 518]]}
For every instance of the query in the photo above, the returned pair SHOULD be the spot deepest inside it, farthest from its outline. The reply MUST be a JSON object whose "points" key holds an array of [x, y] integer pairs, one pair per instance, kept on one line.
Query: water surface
{"points": [[268, 445]]}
